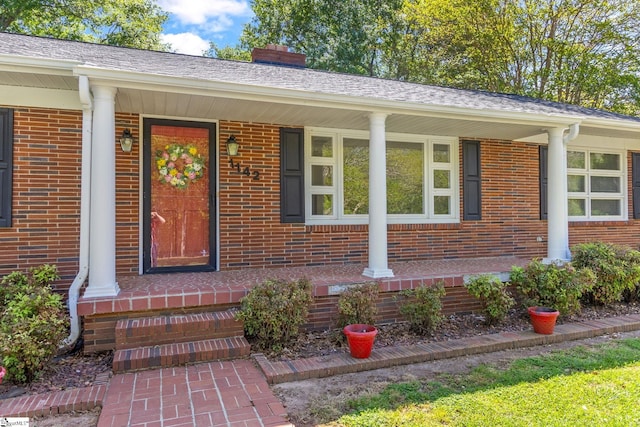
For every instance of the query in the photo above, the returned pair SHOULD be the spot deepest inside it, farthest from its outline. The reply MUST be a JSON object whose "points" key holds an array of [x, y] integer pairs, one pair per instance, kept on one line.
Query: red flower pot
{"points": [[360, 338], [543, 319]]}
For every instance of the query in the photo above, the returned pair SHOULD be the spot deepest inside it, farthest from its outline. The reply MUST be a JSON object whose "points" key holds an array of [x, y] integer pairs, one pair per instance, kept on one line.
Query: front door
{"points": [[179, 183]]}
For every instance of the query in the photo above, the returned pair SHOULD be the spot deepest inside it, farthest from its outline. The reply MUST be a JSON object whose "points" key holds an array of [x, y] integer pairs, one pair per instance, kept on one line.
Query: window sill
{"points": [[341, 228], [608, 223]]}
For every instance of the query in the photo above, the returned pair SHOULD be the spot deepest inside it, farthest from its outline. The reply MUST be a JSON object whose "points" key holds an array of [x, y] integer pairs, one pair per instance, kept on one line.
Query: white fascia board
{"points": [[614, 125], [29, 64], [590, 141], [40, 97], [154, 82], [586, 140]]}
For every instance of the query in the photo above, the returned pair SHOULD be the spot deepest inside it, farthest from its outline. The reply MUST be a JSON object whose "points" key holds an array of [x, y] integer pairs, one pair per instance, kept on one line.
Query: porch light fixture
{"points": [[126, 141], [232, 146]]}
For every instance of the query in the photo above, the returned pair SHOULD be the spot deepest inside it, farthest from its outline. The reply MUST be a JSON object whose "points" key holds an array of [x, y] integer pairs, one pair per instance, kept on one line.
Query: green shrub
{"points": [[358, 305], [617, 269], [33, 322], [554, 285], [422, 307], [493, 296], [18, 282], [274, 311]]}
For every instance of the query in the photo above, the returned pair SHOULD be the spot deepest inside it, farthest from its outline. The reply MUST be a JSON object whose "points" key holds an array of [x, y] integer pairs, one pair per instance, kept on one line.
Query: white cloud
{"points": [[198, 12], [188, 43]]}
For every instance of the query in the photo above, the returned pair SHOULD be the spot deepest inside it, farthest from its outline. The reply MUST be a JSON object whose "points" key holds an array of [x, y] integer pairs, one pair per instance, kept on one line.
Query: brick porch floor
{"points": [[236, 393], [167, 291]]}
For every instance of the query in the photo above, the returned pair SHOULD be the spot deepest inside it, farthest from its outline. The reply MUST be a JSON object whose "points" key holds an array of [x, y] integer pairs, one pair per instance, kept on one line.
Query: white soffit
{"points": [[298, 114]]}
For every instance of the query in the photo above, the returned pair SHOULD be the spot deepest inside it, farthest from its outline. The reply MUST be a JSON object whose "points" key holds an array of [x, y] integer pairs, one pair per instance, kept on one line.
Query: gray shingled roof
{"points": [[360, 88]]}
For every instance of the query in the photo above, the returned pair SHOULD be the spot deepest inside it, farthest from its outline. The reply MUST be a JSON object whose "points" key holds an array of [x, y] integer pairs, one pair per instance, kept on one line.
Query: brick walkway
{"points": [[236, 393], [207, 394]]}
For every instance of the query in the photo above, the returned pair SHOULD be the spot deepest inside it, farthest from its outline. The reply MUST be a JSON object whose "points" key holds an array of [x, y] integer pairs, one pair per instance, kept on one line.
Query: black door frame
{"points": [[146, 197]]}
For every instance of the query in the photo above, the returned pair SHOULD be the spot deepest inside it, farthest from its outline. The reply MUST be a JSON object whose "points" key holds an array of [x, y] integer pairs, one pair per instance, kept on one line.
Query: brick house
{"points": [[331, 170]]}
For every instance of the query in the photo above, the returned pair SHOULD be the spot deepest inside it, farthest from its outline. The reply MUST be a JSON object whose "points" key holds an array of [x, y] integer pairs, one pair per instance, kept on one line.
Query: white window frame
{"points": [[337, 190], [588, 195]]}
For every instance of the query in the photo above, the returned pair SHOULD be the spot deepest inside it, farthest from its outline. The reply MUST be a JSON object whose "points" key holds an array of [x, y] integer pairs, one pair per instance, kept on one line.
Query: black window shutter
{"points": [[635, 183], [544, 162], [6, 165], [291, 175], [472, 200]]}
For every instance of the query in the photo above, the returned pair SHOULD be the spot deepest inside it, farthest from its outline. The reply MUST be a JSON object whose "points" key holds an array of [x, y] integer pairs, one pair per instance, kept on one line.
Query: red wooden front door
{"points": [[179, 208]]}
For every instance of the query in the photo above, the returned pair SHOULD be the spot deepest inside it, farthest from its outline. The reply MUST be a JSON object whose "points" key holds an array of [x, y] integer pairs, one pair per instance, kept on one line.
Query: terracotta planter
{"points": [[360, 338], [543, 319]]}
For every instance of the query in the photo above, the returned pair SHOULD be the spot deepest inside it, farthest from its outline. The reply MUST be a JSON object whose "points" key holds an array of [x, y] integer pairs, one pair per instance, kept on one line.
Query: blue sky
{"points": [[193, 24]]}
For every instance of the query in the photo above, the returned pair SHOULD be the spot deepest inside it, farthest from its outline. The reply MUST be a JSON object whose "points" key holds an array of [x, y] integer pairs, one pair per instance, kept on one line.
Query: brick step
{"points": [[176, 354], [169, 329]]}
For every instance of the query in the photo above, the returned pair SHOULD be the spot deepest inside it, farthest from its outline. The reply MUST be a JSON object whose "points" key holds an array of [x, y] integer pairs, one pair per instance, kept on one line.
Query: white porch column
{"points": [[102, 246], [557, 210], [378, 266]]}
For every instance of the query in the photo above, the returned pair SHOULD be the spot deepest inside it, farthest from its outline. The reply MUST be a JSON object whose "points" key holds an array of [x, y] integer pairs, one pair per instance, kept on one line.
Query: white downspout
{"points": [[574, 130], [85, 205]]}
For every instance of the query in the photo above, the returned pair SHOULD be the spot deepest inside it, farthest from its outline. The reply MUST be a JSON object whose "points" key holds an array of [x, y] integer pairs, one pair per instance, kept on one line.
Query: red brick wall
{"points": [[47, 151], [252, 235], [46, 202], [323, 313], [46, 192], [128, 180]]}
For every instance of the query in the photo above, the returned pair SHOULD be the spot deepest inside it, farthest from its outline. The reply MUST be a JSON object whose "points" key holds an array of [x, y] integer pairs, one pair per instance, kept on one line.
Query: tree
{"points": [[582, 52], [132, 23], [339, 36], [233, 53]]}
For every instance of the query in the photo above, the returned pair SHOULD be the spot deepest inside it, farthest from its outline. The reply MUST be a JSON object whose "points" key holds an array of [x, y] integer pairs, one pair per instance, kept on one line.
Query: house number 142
{"points": [[245, 171]]}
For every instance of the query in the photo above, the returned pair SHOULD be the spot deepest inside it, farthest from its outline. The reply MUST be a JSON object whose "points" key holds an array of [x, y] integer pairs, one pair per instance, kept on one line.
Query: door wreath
{"points": [[179, 165]]}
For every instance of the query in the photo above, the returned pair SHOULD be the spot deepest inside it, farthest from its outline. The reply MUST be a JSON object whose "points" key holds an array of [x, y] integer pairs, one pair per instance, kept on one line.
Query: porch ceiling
{"points": [[298, 114]]}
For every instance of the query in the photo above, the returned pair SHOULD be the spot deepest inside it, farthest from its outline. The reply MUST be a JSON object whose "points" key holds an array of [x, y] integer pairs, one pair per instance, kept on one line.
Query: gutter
{"points": [[85, 205]]}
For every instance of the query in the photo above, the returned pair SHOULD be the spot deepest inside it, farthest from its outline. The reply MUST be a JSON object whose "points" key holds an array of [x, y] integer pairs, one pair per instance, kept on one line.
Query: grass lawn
{"points": [[580, 387]]}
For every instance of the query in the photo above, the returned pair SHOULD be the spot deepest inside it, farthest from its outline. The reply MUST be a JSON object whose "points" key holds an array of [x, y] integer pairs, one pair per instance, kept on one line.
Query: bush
{"points": [[358, 305], [274, 311], [422, 307], [493, 296], [553, 285], [617, 269], [33, 322], [17, 282]]}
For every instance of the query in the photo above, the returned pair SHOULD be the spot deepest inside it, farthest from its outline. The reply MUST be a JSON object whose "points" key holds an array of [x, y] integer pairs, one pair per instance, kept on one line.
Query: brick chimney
{"points": [[276, 54]]}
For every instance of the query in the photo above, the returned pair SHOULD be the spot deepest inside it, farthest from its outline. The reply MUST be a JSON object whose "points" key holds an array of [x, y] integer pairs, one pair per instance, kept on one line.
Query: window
{"points": [[596, 185], [422, 177]]}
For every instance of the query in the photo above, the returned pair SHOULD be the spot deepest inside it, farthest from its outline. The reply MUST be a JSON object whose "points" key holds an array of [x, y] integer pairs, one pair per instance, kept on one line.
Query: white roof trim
{"points": [[29, 64], [154, 82]]}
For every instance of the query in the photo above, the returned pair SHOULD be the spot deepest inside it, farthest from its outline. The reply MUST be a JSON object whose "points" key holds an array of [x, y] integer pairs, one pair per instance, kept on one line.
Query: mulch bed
{"points": [[453, 327], [75, 370]]}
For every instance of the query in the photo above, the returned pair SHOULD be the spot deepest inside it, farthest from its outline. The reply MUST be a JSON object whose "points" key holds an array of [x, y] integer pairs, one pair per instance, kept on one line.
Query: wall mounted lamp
{"points": [[232, 146], [126, 141]]}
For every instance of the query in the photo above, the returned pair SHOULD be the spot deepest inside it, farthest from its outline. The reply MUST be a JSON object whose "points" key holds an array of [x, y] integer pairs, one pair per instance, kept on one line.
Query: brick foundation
{"points": [[99, 330]]}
